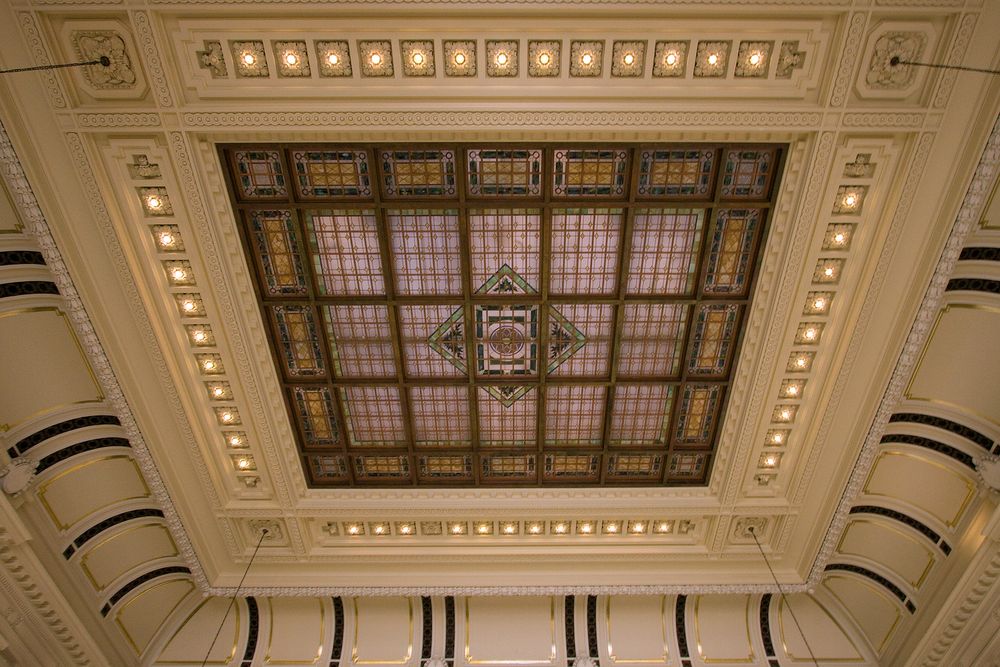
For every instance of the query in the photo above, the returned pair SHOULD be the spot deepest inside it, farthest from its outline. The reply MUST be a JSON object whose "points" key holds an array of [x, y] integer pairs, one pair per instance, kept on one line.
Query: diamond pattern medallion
{"points": [[506, 337]]}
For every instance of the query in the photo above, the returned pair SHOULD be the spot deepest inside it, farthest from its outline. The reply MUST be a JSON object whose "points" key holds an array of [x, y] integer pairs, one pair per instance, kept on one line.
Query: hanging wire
{"points": [[896, 61], [103, 61], [781, 591], [263, 534]]}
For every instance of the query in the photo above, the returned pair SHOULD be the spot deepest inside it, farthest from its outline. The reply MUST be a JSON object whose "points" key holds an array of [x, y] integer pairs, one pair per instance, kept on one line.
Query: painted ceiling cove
{"points": [[154, 346]]}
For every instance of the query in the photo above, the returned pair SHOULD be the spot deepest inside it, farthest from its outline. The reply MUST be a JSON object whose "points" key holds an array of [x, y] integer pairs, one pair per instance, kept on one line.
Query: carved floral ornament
{"points": [[97, 44], [882, 75]]}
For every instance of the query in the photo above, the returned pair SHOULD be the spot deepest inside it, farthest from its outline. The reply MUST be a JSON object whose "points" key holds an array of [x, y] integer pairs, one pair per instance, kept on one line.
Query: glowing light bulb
{"points": [[502, 59], [586, 528], [208, 365], [166, 239], [418, 58], [333, 59], [560, 528], [379, 529], [291, 59], [405, 529], [227, 417], [199, 336], [792, 390], [586, 58], [376, 58], [154, 202], [850, 200], [755, 58], [777, 438], [178, 274], [456, 529], [663, 527], [218, 392], [249, 59], [770, 461], [483, 529], [535, 529], [713, 58], [638, 528], [544, 59], [235, 441], [628, 59], [839, 238], [188, 306], [353, 529], [612, 528], [671, 59], [819, 303], [243, 463], [801, 362], [508, 529], [786, 414], [459, 58], [810, 334], [829, 271]]}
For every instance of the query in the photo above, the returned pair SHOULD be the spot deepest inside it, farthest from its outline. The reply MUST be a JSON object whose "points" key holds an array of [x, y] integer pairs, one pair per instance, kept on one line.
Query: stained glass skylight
{"points": [[493, 315]]}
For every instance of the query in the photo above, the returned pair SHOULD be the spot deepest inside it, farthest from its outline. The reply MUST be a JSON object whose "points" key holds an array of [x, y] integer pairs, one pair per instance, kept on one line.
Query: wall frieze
{"points": [[278, 119], [851, 52], [959, 45], [899, 120], [968, 215], [151, 57], [40, 56], [101, 120]]}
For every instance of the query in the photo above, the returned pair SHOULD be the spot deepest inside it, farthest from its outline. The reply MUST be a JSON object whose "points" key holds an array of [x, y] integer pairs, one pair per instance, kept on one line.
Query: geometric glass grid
{"points": [[566, 315], [323, 174], [677, 173]]}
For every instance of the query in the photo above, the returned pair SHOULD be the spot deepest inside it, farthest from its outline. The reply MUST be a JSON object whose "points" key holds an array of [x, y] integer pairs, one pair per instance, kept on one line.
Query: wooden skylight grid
{"points": [[487, 315]]}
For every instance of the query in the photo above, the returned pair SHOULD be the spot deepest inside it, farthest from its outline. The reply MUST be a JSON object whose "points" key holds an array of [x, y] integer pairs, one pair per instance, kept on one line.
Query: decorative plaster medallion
{"points": [[460, 57], [586, 58], [745, 528], [712, 59], [249, 58], [896, 44], [275, 533], [18, 475], [501, 58], [376, 57], [292, 58], [334, 58], [670, 59], [418, 57], [97, 44], [753, 59], [213, 59], [789, 60], [544, 57], [628, 59]]}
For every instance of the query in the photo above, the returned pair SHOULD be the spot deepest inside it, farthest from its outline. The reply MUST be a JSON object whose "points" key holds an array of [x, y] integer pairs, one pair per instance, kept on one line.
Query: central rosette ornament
{"points": [[506, 339]]}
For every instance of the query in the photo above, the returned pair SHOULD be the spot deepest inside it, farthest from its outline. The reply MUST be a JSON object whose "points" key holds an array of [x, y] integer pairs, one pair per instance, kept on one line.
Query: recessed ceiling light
{"points": [[178, 274], [353, 529], [166, 239], [839, 238], [243, 463], [770, 461], [235, 441], [829, 271], [544, 58], [850, 200], [586, 58], [819, 303], [208, 365], [586, 527], [755, 58], [801, 362], [459, 58], [777, 438], [713, 58], [638, 528], [218, 391], [418, 58], [810, 334], [786, 414], [199, 336], [671, 58], [291, 59], [154, 202], [628, 59], [792, 390], [559, 528], [502, 59], [376, 58], [406, 529], [611, 527], [249, 59], [188, 306]]}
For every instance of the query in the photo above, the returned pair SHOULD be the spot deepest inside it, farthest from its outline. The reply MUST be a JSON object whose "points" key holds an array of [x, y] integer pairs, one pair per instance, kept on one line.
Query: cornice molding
{"points": [[966, 219], [36, 224]]}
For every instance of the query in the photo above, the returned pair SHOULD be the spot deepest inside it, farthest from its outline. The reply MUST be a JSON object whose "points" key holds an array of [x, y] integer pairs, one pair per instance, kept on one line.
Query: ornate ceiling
{"points": [[207, 255]]}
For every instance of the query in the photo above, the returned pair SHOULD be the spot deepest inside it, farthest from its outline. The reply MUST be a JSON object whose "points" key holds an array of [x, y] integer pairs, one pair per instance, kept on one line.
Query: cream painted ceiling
{"points": [[881, 156]]}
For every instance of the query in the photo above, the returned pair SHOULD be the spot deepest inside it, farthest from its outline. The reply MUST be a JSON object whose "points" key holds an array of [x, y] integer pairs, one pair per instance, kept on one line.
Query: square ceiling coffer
{"points": [[477, 315]]}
